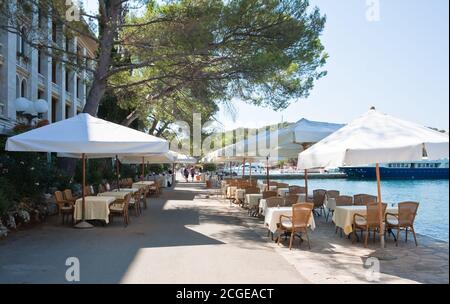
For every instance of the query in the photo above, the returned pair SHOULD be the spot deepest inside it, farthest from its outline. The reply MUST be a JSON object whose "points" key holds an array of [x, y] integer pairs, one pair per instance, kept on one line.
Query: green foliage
{"points": [[209, 167], [156, 168]]}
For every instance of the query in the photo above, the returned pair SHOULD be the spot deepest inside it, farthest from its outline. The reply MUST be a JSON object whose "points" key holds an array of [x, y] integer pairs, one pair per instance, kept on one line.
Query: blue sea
{"points": [[433, 196]]}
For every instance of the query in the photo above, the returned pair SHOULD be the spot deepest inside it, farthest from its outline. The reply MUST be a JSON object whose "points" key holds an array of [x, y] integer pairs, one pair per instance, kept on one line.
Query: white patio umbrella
{"points": [[84, 135], [375, 138]]}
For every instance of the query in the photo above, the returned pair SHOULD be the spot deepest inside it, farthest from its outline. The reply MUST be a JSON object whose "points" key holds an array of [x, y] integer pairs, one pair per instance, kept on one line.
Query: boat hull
{"points": [[396, 173]]}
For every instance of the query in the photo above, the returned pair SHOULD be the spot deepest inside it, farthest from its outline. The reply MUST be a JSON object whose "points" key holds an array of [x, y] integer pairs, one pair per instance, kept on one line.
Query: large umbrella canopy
{"points": [[184, 159], [375, 138], [89, 135], [86, 135]]}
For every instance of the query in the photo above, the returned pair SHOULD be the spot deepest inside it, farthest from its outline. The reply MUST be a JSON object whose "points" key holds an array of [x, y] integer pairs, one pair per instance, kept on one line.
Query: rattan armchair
{"points": [[135, 202], [290, 200], [120, 208], [363, 199], [282, 185], [297, 223], [68, 196], [403, 220], [368, 222], [318, 200], [297, 189], [267, 194], [333, 193], [65, 207]]}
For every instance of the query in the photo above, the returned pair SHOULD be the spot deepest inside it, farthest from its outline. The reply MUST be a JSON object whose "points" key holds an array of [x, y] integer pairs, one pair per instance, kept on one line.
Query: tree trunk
{"points": [[110, 23]]}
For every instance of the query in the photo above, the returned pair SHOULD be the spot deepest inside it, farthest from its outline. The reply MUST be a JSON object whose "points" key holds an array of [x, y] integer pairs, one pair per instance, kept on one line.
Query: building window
{"points": [[54, 63], [23, 88], [54, 108], [67, 111], [39, 61], [78, 87], [40, 94], [54, 31], [20, 45], [67, 81]]}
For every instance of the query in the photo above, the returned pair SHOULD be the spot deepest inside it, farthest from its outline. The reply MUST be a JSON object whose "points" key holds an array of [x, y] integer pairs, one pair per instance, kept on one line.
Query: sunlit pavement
{"points": [[190, 235]]}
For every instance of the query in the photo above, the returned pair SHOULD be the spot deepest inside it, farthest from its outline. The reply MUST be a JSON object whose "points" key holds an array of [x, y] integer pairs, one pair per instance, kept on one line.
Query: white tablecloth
{"points": [[240, 194], [143, 184], [272, 217], [132, 190], [97, 208], [231, 191], [263, 204], [262, 187], [116, 194], [252, 199], [343, 215]]}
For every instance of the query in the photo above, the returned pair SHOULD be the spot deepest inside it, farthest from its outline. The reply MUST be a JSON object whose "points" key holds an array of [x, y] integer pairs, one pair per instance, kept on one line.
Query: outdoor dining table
{"points": [[132, 190], [263, 203], [116, 194], [263, 187], [272, 218], [239, 194], [253, 199], [96, 208], [343, 215], [282, 191], [231, 191], [142, 184]]}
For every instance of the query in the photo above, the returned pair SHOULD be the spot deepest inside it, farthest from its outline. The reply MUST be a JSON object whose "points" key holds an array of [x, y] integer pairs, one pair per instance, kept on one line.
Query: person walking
{"points": [[186, 174], [192, 173]]}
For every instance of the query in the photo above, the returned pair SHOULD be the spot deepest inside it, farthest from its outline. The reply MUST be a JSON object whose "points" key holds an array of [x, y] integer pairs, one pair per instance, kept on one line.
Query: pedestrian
{"points": [[186, 174], [192, 173]]}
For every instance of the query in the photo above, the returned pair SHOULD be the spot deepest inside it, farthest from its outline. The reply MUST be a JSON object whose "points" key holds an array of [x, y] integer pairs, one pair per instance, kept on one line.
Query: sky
{"points": [[398, 63]]}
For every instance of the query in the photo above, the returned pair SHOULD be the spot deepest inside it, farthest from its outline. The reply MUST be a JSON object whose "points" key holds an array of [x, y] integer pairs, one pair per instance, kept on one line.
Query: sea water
{"points": [[433, 196]]}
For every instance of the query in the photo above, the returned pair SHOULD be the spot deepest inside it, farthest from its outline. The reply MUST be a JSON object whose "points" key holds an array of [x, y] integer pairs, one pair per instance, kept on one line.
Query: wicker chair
{"points": [[297, 189], [344, 200], [120, 208], [101, 188], [368, 222], [267, 194], [68, 196], [135, 202], [274, 201], [297, 223], [318, 200], [333, 193], [282, 185], [363, 199], [65, 207], [403, 220], [290, 200]]}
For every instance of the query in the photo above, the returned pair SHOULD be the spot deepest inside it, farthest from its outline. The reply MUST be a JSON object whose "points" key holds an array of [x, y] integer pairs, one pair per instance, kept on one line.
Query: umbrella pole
{"points": [[306, 183], [243, 167], [380, 211], [173, 175], [267, 173], [83, 224], [117, 172], [231, 174], [143, 169], [381, 253], [250, 172]]}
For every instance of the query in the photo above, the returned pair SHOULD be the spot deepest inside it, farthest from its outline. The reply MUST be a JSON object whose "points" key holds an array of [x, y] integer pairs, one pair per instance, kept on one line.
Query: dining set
{"points": [[110, 200], [288, 210]]}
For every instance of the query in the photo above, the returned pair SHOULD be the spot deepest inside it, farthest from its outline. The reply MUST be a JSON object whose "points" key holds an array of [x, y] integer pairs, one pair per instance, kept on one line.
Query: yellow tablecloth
{"points": [[272, 217], [343, 215], [97, 208]]}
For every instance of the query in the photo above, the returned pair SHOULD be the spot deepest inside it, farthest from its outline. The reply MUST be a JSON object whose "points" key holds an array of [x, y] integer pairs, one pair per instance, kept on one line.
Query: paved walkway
{"points": [[188, 235]]}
